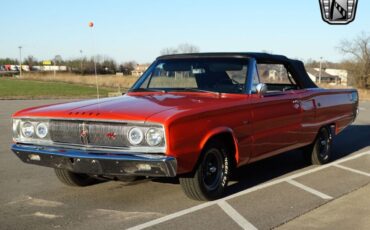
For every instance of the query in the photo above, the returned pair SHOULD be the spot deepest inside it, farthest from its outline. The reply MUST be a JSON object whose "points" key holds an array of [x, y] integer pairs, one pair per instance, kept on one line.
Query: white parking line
{"points": [[274, 182], [310, 190], [235, 215], [255, 188], [352, 170], [46, 215], [172, 216]]}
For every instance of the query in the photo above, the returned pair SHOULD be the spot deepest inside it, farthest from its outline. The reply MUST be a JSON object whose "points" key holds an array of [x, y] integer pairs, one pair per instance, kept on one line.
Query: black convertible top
{"points": [[295, 67]]}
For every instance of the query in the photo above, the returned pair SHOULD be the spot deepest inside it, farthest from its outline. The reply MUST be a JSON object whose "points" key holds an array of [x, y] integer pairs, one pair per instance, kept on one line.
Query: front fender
{"points": [[221, 130]]}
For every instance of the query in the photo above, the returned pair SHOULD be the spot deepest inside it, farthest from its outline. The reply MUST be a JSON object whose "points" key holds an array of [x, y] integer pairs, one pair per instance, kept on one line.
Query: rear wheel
{"points": [[74, 179], [211, 176], [319, 152]]}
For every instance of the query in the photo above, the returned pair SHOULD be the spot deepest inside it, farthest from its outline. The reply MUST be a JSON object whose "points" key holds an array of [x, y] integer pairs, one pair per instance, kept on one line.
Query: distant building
{"points": [[328, 76], [139, 70], [341, 73]]}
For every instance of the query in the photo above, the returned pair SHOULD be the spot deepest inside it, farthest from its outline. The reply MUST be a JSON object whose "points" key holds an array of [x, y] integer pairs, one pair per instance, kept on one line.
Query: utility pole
{"points": [[20, 61], [320, 70], [55, 66]]}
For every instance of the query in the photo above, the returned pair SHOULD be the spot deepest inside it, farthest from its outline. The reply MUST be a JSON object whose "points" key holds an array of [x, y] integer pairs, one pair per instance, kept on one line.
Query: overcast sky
{"points": [[138, 29]]}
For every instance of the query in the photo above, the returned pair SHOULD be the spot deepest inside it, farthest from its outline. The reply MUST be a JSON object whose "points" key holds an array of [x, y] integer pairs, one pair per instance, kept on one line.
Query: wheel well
{"points": [[331, 129], [228, 139]]}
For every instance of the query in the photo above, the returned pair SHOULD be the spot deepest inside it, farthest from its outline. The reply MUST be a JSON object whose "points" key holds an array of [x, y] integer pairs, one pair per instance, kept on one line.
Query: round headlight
{"points": [[154, 137], [135, 136], [41, 130], [28, 129]]}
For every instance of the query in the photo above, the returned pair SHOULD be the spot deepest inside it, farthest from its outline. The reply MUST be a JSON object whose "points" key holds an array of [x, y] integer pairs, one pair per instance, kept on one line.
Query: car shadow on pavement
{"points": [[352, 139]]}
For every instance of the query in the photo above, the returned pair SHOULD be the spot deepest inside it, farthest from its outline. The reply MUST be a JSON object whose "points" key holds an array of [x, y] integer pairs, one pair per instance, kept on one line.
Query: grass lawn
{"points": [[11, 88]]}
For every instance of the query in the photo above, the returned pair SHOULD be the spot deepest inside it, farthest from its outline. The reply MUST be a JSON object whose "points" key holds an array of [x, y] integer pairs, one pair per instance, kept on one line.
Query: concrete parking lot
{"points": [[281, 192]]}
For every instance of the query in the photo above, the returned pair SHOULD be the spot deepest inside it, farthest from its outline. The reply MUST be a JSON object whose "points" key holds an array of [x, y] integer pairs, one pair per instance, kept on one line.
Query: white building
{"points": [[341, 73], [333, 76]]}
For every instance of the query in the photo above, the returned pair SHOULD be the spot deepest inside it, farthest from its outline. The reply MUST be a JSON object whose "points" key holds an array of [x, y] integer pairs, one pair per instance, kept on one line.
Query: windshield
{"points": [[201, 75]]}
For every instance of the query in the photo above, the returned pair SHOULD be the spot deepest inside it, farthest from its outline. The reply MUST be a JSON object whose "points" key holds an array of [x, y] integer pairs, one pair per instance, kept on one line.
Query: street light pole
{"points": [[20, 61], [81, 60]]}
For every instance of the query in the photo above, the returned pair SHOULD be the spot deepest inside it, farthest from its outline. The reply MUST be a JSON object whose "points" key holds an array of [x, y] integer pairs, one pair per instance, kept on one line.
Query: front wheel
{"points": [[74, 179], [319, 152], [210, 178]]}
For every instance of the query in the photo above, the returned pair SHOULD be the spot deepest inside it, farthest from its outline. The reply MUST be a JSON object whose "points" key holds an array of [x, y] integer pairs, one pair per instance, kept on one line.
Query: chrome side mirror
{"points": [[261, 89]]}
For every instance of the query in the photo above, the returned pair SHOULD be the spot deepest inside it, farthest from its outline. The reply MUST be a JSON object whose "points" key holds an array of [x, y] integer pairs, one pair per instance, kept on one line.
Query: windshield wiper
{"points": [[148, 90]]}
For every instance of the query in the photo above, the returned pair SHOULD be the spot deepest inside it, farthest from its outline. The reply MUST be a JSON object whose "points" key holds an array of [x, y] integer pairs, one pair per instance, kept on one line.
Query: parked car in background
{"points": [[192, 116]]}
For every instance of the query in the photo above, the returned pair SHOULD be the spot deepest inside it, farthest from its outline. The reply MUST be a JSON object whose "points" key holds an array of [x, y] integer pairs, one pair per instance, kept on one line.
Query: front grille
{"points": [[89, 133], [65, 132], [107, 135]]}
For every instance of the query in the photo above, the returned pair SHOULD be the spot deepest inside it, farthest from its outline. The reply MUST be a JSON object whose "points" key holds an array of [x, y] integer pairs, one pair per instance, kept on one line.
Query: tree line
{"points": [[104, 65], [85, 65], [355, 50]]}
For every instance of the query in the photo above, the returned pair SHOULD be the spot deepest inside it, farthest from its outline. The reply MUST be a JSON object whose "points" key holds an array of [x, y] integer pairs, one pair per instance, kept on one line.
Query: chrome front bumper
{"points": [[98, 162]]}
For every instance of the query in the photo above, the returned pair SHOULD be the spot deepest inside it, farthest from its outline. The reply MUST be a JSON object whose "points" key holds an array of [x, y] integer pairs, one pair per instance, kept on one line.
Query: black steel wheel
{"points": [[211, 176], [320, 151]]}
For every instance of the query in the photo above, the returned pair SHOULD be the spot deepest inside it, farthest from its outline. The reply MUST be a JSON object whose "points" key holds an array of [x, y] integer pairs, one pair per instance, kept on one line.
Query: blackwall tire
{"points": [[321, 148], [211, 176], [74, 179]]}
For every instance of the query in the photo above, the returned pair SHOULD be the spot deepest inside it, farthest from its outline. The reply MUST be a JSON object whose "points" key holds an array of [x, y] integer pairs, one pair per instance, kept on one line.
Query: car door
{"points": [[277, 115]]}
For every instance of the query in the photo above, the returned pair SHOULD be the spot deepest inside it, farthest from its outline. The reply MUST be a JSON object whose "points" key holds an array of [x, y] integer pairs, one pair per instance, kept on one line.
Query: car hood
{"points": [[130, 107]]}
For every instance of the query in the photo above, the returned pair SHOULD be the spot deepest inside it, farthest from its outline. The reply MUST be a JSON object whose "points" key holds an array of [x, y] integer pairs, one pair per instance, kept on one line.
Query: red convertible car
{"points": [[191, 116]]}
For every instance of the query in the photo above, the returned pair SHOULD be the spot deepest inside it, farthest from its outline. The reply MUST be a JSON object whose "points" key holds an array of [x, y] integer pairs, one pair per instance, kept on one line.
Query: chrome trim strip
{"points": [[144, 149], [90, 119]]}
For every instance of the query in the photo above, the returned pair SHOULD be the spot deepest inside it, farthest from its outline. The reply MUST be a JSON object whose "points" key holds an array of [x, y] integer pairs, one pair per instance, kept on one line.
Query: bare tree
{"points": [[359, 66], [187, 48], [58, 60], [169, 50], [30, 61], [182, 48], [127, 67]]}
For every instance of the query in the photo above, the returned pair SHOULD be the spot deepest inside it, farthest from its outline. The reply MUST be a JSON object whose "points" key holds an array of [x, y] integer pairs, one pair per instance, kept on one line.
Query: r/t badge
{"points": [[338, 12]]}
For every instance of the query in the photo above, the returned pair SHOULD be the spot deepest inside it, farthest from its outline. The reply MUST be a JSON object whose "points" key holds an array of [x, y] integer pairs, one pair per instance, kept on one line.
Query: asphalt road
{"points": [[263, 195]]}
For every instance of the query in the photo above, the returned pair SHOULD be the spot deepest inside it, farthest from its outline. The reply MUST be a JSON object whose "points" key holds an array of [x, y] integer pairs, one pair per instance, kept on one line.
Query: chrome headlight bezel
{"points": [[20, 133]]}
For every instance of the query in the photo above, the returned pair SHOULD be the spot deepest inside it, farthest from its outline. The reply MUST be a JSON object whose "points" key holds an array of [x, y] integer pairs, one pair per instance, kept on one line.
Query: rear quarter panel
{"points": [[332, 106]]}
